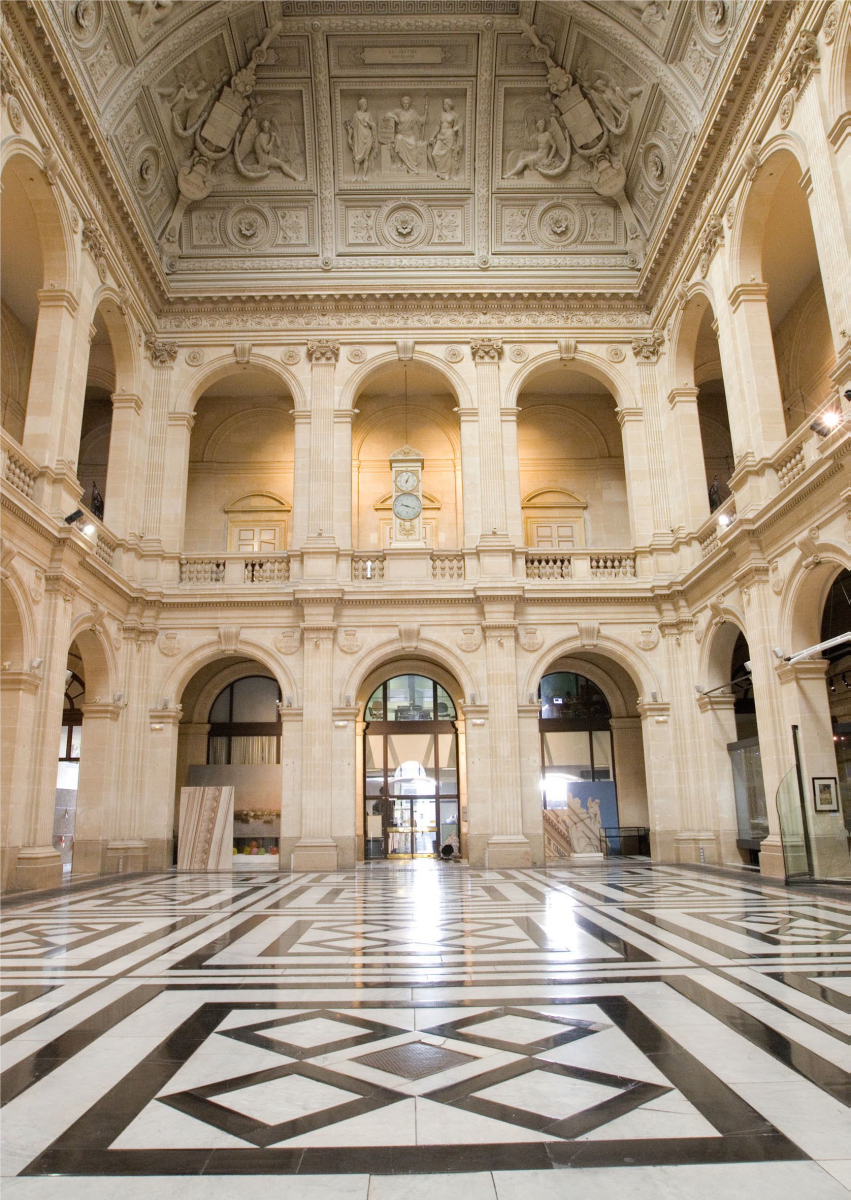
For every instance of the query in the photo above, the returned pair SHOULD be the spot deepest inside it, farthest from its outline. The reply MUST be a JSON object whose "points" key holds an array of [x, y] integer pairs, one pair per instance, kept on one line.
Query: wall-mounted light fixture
{"points": [[826, 422], [74, 516]]}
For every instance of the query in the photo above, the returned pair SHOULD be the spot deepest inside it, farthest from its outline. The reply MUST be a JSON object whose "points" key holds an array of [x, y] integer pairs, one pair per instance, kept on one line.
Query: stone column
{"points": [[507, 845], [646, 351], [775, 734], [342, 487], [717, 728], [468, 419], [529, 738], [123, 481], [291, 743], [828, 204], [174, 486], [630, 775], [162, 460], [73, 384], [157, 794], [486, 354], [806, 704], [19, 689], [39, 865], [751, 382], [637, 469], [316, 849], [511, 475], [685, 461], [320, 546], [301, 477], [53, 353], [96, 787], [132, 822], [662, 801]]}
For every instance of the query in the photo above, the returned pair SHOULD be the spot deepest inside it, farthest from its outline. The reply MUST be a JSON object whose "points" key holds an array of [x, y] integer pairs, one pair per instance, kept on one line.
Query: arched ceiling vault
{"points": [[293, 145]]}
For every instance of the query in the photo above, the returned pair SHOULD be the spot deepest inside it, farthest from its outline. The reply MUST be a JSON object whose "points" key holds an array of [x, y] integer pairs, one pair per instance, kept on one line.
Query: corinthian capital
{"points": [[486, 350], [646, 349], [323, 351], [162, 353]]}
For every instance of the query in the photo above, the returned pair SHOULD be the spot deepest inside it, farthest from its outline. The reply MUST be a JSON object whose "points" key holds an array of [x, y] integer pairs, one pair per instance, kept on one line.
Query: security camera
{"points": [[847, 393]]}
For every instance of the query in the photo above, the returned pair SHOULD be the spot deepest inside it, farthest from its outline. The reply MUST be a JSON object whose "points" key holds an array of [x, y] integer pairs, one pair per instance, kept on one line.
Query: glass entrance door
{"points": [[410, 770]]}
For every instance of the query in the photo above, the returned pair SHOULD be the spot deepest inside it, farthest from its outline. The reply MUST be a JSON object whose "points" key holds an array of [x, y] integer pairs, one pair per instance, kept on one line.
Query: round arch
{"points": [[223, 431], [619, 704], [839, 72], [428, 658], [804, 598], [125, 352], [175, 682], [634, 664], [747, 237], [18, 624], [365, 427], [579, 420], [220, 368], [583, 363], [56, 237], [358, 379], [717, 655], [230, 673], [99, 660], [685, 333]]}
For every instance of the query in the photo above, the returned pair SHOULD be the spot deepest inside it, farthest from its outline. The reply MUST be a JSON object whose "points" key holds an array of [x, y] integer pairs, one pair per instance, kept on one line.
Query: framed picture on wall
{"points": [[825, 793]]}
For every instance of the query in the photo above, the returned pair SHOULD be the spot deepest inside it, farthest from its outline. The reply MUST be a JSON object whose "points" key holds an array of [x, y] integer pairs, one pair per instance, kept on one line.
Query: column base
{"points": [[314, 854], [696, 846], [583, 860], [37, 867], [123, 857], [89, 856], [508, 851], [771, 862]]}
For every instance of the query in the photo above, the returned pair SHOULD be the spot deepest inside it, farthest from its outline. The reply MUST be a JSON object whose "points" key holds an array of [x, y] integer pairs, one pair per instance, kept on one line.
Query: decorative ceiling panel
{"points": [[272, 146]]}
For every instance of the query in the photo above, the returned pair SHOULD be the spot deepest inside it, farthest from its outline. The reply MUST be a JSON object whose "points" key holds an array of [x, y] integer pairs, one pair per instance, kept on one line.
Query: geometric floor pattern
{"points": [[428, 1030]]}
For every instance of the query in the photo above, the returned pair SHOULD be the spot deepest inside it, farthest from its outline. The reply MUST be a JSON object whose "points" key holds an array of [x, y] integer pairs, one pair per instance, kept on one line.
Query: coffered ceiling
{"points": [[293, 145]]}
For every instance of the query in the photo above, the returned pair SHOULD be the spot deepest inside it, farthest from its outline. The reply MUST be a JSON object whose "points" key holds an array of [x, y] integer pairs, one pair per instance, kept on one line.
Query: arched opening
{"points": [[21, 277], [412, 786], [239, 490], [230, 737], [96, 427], [572, 474], [70, 753], [18, 690], [715, 436], [836, 620], [406, 405], [730, 697], [593, 785], [779, 247]]}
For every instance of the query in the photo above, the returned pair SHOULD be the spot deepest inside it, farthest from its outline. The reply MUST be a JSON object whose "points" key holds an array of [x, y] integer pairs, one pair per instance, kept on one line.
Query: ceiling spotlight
{"points": [[700, 690], [826, 422], [74, 516], [778, 653]]}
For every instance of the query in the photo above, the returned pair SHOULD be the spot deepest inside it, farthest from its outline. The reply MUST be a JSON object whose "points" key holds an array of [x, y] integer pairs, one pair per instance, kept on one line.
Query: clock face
{"points": [[406, 481], [407, 506]]}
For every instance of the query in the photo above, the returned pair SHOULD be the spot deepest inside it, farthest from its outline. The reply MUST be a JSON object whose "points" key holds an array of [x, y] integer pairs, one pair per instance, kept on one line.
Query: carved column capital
{"points": [[323, 351], [485, 350], [161, 353], [646, 349]]}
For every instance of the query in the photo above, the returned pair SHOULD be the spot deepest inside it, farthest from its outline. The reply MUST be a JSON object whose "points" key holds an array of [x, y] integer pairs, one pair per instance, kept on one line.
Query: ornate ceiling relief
{"points": [[265, 141]]}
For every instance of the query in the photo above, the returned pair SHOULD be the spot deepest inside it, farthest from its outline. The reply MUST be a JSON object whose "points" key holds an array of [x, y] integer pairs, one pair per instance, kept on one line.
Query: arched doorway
{"points": [[231, 736], [411, 792]]}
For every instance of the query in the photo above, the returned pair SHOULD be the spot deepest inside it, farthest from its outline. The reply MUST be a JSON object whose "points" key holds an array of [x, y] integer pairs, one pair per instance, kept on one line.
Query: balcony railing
{"points": [[580, 564], [791, 465], [613, 566], [225, 570], [549, 566], [367, 567], [710, 532], [18, 468], [447, 566]]}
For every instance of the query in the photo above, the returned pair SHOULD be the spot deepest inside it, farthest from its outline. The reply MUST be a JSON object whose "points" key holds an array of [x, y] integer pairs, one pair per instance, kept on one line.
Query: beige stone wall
{"points": [[16, 351]]}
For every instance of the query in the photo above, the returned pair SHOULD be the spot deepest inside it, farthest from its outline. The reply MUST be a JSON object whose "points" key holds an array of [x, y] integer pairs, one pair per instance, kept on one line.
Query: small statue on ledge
{"points": [[97, 502], [714, 494]]}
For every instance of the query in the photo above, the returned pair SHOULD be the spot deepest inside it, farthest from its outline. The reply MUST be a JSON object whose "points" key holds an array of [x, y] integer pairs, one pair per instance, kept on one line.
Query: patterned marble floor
{"points": [[428, 1030]]}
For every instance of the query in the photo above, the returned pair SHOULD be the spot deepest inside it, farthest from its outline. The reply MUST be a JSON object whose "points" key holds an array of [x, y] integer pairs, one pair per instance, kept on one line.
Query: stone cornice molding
{"points": [[20, 681], [177, 418], [128, 400], [683, 395], [801, 672], [632, 413], [57, 298], [720, 702], [61, 583], [165, 716], [101, 710], [747, 291]]}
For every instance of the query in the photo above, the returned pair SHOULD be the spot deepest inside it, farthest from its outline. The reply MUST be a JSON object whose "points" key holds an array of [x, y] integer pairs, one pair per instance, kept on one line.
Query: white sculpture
{"points": [[362, 136], [408, 144], [446, 145]]}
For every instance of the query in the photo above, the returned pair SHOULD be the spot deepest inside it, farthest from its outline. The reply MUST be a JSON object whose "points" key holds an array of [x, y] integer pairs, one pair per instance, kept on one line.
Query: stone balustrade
{"points": [[447, 566], [18, 468], [367, 567], [548, 566]]}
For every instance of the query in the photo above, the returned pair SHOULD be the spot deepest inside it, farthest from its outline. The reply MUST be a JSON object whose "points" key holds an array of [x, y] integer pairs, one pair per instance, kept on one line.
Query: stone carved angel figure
{"points": [[446, 146], [188, 101], [362, 136], [262, 141]]}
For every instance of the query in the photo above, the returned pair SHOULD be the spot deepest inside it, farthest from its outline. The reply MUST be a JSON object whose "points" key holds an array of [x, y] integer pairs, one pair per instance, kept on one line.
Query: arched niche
{"points": [[258, 523], [776, 245], [554, 519], [384, 422], [569, 441], [241, 446], [697, 364]]}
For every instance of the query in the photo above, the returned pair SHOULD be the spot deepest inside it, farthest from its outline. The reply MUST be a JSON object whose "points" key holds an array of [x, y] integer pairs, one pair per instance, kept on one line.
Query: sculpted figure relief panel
{"points": [[404, 135]]}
